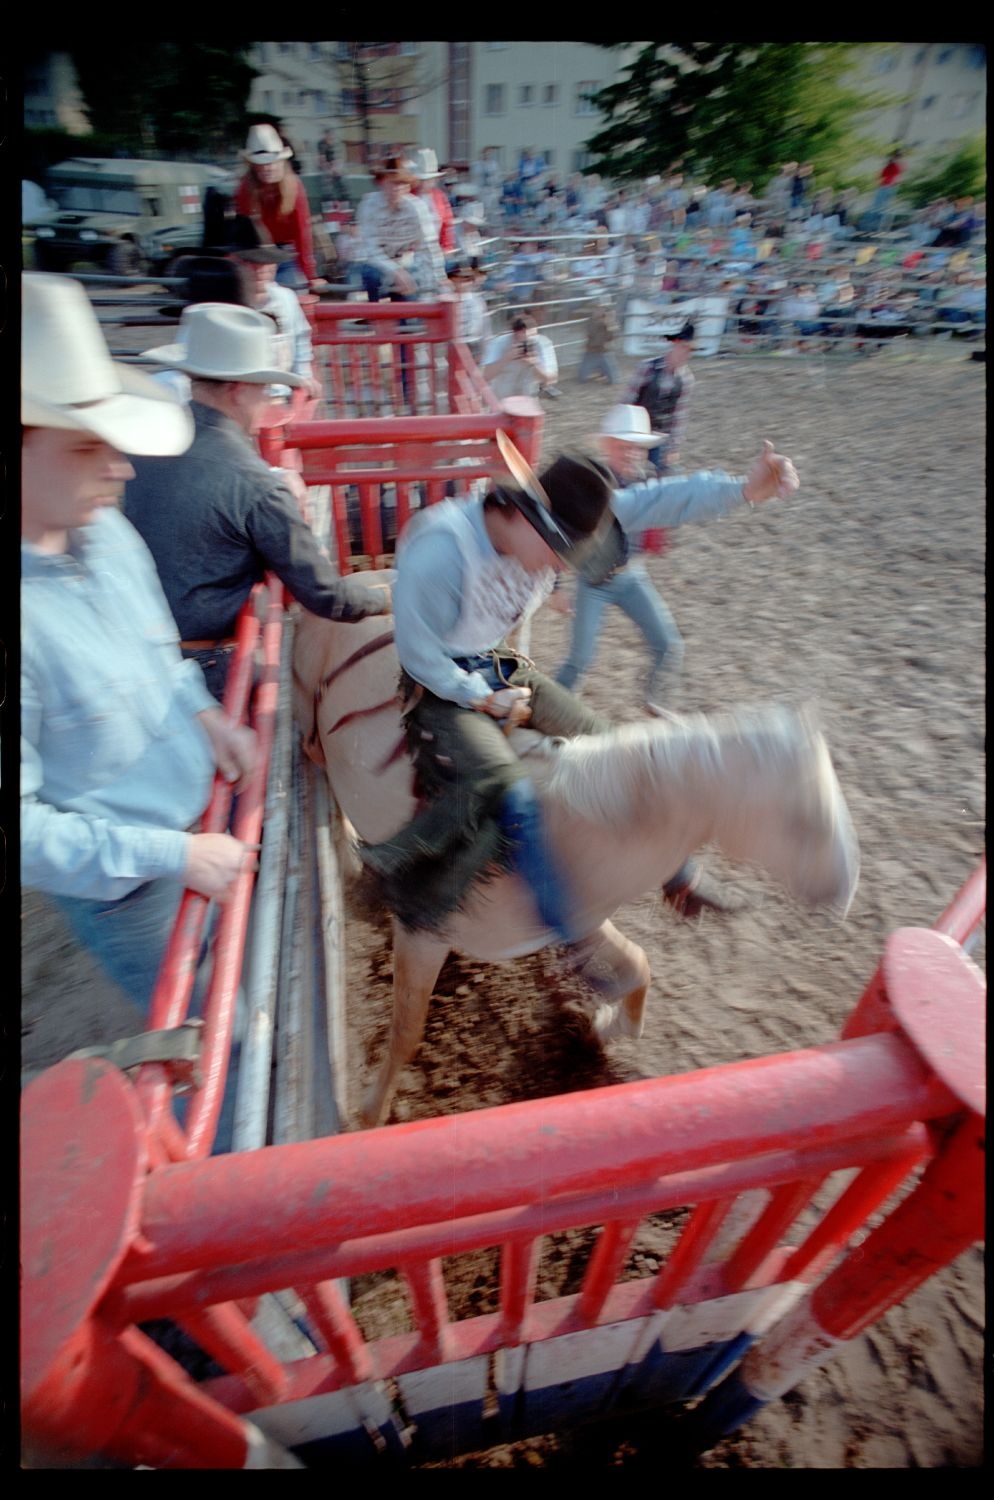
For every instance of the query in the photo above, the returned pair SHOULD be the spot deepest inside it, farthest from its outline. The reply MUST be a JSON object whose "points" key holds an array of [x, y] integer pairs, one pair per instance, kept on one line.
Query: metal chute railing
{"points": [[899, 1104], [174, 988]]}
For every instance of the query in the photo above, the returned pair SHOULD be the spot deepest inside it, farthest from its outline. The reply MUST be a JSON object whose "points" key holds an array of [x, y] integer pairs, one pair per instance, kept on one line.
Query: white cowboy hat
{"points": [[630, 424], [264, 146], [424, 163], [68, 379], [225, 342]]}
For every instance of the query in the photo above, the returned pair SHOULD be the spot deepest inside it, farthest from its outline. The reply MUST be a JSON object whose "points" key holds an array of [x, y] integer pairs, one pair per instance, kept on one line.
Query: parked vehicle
{"points": [[127, 216]]}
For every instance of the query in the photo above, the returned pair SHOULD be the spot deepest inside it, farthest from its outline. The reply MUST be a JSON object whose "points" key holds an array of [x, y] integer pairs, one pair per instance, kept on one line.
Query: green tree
{"points": [[171, 98], [960, 174], [732, 109]]}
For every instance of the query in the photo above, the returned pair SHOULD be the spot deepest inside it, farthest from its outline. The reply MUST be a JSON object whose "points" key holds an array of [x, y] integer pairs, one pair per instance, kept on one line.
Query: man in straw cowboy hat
{"points": [[399, 254], [468, 573], [424, 166], [216, 518], [119, 735]]}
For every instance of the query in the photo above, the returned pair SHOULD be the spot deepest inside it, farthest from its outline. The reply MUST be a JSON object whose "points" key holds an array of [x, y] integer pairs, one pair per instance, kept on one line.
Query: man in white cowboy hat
{"points": [[638, 504], [399, 254], [468, 573], [424, 165], [119, 735], [216, 518]]}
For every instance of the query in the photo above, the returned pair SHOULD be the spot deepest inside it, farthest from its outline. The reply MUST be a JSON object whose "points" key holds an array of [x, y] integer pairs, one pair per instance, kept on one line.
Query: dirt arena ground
{"points": [[864, 596]]}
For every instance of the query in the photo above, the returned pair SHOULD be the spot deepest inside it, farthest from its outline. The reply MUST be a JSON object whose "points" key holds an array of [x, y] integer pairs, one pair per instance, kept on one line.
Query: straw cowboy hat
{"points": [[568, 506], [219, 341], [424, 164], [68, 379], [630, 424], [393, 167], [265, 146]]}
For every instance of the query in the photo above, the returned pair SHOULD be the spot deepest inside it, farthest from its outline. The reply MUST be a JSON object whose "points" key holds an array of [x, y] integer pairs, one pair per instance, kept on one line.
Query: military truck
{"points": [[127, 216]]}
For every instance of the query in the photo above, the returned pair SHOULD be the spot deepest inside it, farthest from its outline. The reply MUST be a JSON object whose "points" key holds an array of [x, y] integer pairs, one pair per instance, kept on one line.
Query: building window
{"points": [[288, 96], [928, 101], [320, 101], [886, 62], [581, 159], [550, 94], [550, 158], [286, 48], [962, 105], [976, 56], [494, 99], [945, 54], [919, 56], [526, 95], [269, 102], [584, 105]]}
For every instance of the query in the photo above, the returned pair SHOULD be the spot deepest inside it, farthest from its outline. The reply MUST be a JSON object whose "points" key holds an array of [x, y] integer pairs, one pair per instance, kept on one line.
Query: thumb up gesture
{"points": [[771, 477]]}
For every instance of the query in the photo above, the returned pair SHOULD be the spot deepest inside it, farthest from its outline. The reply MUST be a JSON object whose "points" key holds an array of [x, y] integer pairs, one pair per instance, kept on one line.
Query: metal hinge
{"points": [[178, 1049]]}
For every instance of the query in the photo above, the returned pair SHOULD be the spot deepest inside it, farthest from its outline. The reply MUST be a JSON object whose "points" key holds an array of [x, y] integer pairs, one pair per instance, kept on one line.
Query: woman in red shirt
{"points": [[273, 195]]}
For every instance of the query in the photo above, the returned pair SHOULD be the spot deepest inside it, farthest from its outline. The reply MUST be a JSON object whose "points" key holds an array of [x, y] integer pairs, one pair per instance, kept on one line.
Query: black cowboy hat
{"points": [[568, 505], [253, 243], [208, 278]]}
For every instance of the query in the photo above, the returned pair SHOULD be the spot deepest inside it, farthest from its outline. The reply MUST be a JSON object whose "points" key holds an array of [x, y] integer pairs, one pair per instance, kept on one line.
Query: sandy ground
{"points": [[865, 596]]}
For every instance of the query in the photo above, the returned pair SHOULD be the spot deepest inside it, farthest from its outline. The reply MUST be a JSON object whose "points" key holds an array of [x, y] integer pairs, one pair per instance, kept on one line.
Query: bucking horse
{"points": [[623, 811]]}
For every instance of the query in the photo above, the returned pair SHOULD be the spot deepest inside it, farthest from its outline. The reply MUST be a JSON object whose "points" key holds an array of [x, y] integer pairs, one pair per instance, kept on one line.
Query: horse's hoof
{"points": [[611, 1022]]}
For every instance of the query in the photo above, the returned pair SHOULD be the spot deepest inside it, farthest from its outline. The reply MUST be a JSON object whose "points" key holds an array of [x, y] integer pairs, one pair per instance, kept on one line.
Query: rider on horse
{"points": [[468, 573]]}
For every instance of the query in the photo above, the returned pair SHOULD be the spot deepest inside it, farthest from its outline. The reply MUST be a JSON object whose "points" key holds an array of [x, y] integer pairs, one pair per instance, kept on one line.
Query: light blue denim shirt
{"points": [[114, 764], [677, 500], [427, 595]]}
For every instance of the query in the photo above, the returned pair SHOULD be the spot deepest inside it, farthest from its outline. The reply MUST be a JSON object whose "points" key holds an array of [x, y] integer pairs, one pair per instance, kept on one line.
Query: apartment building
{"points": [[536, 94], [940, 89], [372, 96], [459, 97]]}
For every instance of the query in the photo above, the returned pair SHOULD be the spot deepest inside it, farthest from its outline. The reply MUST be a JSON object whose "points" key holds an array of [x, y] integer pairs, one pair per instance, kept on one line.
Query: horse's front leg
{"points": [[617, 972], [417, 960]]}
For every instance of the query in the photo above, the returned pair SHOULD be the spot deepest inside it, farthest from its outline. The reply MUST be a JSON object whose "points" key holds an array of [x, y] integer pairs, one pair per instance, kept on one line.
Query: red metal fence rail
{"points": [[194, 1239]]}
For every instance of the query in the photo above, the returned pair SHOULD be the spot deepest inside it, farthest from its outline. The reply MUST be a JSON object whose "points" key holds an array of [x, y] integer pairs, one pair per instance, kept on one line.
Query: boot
{"points": [[691, 893]]}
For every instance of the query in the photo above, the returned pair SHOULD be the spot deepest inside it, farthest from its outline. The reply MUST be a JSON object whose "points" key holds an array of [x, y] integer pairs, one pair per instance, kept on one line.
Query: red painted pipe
{"points": [[321, 1192]]}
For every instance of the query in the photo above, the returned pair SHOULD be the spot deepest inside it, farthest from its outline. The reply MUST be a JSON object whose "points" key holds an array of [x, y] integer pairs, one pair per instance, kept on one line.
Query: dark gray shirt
{"points": [[216, 519]]}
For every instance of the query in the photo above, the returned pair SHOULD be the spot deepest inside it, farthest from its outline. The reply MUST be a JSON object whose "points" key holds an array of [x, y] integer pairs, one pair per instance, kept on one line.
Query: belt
{"points": [[207, 645]]}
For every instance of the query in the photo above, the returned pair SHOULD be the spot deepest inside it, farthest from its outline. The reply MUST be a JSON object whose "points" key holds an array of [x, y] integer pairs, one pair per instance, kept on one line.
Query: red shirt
{"points": [[442, 209], [890, 174], [293, 228]]}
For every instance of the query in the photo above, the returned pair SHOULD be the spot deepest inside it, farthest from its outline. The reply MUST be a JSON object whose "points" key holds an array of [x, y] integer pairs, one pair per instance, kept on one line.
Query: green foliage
{"points": [[166, 98], [46, 148], [960, 174], [733, 109]]}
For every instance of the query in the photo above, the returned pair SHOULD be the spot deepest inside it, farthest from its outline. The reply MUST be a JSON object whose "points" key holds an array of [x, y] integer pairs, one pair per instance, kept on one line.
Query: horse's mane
{"points": [[604, 777]]}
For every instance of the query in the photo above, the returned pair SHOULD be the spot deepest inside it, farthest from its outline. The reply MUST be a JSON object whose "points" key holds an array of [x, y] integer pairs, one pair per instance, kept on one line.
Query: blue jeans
{"points": [[592, 364], [373, 280], [631, 590], [128, 939], [289, 274]]}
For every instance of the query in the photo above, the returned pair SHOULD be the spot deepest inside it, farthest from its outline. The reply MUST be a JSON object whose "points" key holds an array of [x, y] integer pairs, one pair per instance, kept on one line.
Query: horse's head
{"points": [[806, 839]]}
